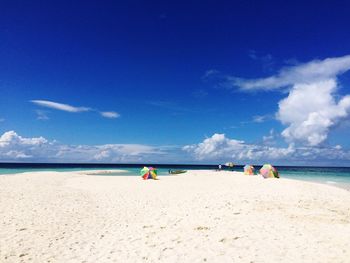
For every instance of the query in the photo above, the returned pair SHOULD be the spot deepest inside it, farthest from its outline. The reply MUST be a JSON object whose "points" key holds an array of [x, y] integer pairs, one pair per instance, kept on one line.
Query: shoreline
{"points": [[118, 172]]}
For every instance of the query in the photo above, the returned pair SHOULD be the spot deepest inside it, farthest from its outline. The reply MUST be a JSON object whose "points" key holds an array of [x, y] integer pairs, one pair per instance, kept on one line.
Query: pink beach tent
{"points": [[268, 171]]}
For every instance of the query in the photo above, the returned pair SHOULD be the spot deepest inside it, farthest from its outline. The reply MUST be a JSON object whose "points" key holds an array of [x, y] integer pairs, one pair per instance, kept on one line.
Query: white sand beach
{"points": [[200, 216]]}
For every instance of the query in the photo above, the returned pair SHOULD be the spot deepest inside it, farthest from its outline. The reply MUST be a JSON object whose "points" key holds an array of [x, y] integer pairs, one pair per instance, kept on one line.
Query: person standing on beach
{"points": [[219, 167]]}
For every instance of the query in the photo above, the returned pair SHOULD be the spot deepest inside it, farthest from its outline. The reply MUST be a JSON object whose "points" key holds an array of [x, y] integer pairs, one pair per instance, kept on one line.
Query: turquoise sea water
{"points": [[329, 175], [338, 176], [128, 171]]}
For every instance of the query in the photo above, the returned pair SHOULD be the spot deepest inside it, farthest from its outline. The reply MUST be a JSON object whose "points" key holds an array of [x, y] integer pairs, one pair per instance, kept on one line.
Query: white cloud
{"points": [[102, 155], [59, 106], [338, 147], [310, 111], [312, 107], [11, 138], [219, 148], [17, 155], [215, 147], [311, 72], [14, 147], [41, 115], [110, 114]]}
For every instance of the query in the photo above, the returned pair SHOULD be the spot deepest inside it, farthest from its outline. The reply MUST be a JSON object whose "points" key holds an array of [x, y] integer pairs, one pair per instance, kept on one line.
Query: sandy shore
{"points": [[200, 216]]}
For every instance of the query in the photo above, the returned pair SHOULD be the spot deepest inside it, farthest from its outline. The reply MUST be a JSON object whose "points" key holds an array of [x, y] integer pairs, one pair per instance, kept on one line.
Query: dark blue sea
{"points": [[329, 175]]}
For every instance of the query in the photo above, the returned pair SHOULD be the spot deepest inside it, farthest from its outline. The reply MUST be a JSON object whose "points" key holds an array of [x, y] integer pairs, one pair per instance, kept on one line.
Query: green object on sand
{"points": [[144, 170], [177, 171]]}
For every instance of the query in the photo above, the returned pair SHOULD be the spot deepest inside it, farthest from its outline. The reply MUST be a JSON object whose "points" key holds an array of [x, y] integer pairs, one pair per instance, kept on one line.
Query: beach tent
{"points": [[268, 171], [249, 169], [146, 172]]}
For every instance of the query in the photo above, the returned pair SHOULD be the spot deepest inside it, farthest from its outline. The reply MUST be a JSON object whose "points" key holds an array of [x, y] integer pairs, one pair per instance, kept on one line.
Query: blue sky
{"points": [[175, 81]]}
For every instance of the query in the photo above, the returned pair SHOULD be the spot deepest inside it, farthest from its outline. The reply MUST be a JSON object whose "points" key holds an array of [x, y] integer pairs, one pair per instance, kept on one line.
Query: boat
{"points": [[177, 171]]}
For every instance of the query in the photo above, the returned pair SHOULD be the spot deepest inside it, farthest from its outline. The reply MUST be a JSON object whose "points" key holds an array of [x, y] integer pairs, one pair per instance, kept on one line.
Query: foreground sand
{"points": [[196, 217]]}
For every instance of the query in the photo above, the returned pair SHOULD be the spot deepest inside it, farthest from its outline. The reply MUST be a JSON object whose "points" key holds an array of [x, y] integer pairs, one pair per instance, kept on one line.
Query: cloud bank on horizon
{"points": [[219, 147], [215, 149], [14, 147], [313, 106]]}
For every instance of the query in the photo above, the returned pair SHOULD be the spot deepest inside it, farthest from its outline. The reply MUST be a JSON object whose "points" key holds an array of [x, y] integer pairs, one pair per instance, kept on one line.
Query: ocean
{"points": [[338, 176]]}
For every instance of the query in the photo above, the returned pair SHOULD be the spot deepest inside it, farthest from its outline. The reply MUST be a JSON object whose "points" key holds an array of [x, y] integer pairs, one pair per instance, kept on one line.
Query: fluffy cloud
{"points": [[10, 138], [312, 107], [219, 148], [310, 111], [215, 147], [14, 147]]}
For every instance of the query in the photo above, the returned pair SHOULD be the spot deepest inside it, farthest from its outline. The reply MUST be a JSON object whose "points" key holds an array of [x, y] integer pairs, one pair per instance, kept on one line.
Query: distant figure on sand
{"points": [[219, 167]]}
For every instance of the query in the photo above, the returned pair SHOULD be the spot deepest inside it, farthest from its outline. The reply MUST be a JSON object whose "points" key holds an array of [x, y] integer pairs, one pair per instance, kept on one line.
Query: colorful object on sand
{"points": [[177, 171], [146, 172], [249, 169], [268, 171]]}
